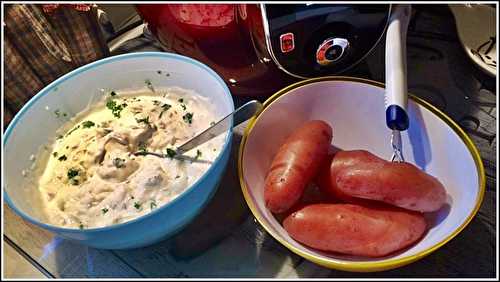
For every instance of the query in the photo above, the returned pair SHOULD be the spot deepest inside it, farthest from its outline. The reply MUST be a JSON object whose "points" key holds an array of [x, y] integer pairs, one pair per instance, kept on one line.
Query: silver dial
{"points": [[331, 50]]}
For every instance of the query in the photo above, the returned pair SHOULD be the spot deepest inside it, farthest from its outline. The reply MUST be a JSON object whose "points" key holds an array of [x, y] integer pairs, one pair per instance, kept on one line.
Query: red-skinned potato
{"points": [[296, 164], [323, 182], [360, 174], [313, 194], [325, 174], [371, 231]]}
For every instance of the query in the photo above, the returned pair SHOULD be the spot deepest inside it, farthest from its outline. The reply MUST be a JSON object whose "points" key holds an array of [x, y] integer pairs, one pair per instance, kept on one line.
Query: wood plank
{"points": [[17, 267], [62, 258], [248, 252]]}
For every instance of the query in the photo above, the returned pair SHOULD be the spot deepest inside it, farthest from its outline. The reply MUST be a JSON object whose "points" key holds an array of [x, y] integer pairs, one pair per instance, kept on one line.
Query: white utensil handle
{"points": [[395, 68]]}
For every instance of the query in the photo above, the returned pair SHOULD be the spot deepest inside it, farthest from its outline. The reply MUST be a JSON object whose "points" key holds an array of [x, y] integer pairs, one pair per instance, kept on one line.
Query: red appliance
{"points": [[260, 48]]}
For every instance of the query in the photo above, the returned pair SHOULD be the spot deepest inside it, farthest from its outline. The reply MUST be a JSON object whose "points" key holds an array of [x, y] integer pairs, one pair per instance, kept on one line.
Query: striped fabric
{"points": [[42, 46]]}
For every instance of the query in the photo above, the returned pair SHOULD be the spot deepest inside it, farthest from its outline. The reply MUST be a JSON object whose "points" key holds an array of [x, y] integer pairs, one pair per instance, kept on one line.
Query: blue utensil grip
{"points": [[396, 118]]}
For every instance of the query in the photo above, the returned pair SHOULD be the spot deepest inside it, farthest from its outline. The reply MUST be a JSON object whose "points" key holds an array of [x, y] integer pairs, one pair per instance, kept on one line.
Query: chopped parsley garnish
{"points": [[149, 85], [88, 124], [115, 109], [72, 173], [137, 205], [59, 137], [54, 154], [156, 102], [181, 100], [153, 205], [113, 93], [111, 104], [144, 120], [81, 226], [198, 155], [183, 107], [62, 158], [177, 176], [71, 131], [188, 118], [164, 108], [119, 162], [104, 210], [58, 113], [171, 153], [142, 147]]}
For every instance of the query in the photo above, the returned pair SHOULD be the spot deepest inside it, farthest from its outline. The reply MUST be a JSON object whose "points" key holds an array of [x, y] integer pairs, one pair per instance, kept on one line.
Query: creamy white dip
{"points": [[93, 178]]}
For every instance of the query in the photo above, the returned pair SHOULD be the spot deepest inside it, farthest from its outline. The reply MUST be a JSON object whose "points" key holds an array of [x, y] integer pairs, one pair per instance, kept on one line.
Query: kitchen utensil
{"points": [[240, 115], [396, 98]]}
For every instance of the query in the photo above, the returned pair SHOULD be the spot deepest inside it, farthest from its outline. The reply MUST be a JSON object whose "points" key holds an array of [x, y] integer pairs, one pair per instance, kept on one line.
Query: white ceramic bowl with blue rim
{"points": [[355, 109], [35, 124]]}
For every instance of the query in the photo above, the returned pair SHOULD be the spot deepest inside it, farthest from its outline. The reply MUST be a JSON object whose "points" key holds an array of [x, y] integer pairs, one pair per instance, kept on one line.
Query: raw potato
{"points": [[360, 174], [324, 176], [296, 164], [313, 194], [323, 182], [373, 231]]}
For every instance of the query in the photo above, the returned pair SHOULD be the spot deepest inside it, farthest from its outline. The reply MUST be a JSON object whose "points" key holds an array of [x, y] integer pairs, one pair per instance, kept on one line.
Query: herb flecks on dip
{"points": [[93, 178]]}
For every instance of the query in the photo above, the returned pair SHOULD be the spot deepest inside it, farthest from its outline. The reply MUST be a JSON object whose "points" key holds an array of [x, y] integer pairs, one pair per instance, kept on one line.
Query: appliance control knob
{"points": [[331, 50]]}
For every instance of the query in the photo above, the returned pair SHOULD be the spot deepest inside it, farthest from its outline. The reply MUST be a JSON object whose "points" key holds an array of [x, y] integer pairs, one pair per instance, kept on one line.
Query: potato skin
{"points": [[360, 174], [296, 164], [324, 183], [371, 231]]}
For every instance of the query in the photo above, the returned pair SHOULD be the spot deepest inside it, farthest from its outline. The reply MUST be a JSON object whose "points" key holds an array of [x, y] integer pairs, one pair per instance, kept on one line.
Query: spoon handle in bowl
{"points": [[240, 115]]}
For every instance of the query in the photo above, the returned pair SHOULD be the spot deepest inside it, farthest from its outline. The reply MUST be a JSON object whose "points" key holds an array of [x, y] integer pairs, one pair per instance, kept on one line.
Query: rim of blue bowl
{"points": [[47, 89]]}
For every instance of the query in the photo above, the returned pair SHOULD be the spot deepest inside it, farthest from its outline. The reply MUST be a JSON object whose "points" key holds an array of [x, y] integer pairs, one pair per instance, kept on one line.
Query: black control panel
{"points": [[311, 40]]}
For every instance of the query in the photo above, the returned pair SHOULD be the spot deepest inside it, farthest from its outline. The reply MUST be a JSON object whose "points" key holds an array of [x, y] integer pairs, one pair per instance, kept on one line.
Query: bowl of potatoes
{"points": [[322, 182]]}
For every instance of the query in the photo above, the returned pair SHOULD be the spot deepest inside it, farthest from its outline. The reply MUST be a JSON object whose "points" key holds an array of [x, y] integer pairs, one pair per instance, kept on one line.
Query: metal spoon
{"points": [[240, 115]]}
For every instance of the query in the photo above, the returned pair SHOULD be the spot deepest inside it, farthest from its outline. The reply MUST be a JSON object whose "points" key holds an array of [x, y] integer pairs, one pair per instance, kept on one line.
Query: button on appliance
{"points": [[287, 42]]}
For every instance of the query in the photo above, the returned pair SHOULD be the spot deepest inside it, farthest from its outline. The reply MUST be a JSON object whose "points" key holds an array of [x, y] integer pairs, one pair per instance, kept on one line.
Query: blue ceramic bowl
{"points": [[36, 123]]}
